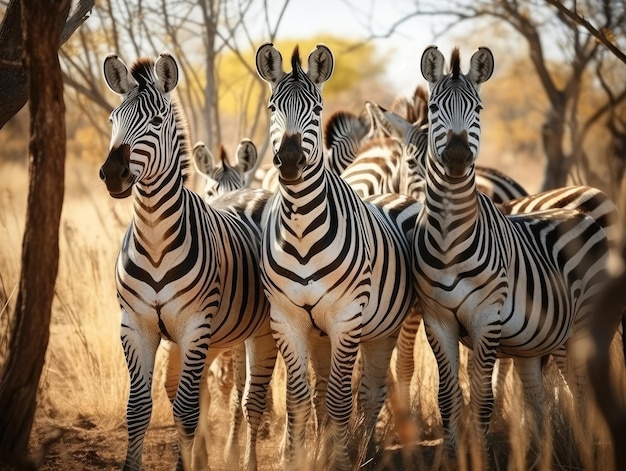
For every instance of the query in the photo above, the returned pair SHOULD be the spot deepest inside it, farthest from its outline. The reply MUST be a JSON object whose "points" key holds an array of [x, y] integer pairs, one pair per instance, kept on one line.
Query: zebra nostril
{"points": [[277, 161], [301, 161], [103, 177], [125, 172]]}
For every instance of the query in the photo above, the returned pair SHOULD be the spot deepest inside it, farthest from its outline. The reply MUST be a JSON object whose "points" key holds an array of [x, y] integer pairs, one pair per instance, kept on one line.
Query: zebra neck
{"points": [[304, 197], [158, 206], [451, 203]]}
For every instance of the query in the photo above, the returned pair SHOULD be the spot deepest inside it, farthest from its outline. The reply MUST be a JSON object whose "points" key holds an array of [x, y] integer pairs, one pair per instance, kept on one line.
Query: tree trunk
{"points": [[40, 250], [557, 163]]}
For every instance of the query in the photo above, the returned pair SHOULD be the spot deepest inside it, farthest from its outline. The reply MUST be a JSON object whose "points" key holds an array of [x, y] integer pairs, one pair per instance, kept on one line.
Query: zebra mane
{"points": [[455, 63], [296, 64], [223, 156], [143, 72]]}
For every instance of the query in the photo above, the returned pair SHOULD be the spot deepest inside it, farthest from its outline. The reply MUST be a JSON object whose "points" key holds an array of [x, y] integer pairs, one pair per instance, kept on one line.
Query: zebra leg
{"points": [[292, 347], [320, 361], [376, 357], [400, 395], [261, 359], [344, 348], [172, 376], [530, 374], [485, 342], [231, 450], [140, 351], [444, 341], [186, 404]]}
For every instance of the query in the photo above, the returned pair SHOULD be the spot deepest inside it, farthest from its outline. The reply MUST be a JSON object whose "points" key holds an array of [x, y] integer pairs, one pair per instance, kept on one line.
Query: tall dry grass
{"points": [[85, 381]]}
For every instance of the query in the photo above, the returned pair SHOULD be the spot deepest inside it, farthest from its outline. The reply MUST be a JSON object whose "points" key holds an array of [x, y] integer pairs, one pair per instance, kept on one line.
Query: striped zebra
{"points": [[344, 134], [519, 286], [498, 186], [223, 178], [186, 273], [335, 268]]}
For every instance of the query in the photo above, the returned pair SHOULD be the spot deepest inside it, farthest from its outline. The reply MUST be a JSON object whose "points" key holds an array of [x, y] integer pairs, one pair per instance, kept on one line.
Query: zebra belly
{"points": [[174, 314]]}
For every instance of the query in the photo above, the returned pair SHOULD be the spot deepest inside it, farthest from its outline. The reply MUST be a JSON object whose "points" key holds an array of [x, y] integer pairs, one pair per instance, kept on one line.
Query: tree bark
{"points": [[40, 248], [13, 75]]}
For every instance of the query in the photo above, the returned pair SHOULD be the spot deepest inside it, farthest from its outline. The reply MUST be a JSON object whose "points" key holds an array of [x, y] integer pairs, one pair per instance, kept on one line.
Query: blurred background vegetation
{"points": [[554, 113]]}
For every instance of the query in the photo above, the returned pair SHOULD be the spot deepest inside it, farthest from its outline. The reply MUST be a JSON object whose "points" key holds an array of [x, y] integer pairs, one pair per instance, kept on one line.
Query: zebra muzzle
{"points": [[457, 155], [290, 160], [115, 172]]}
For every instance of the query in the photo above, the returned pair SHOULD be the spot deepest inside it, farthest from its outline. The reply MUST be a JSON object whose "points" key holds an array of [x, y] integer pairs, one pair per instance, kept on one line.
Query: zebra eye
{"points": [[317, 110], [271, 107], [156, 120], [478, 108], [433, 108]]}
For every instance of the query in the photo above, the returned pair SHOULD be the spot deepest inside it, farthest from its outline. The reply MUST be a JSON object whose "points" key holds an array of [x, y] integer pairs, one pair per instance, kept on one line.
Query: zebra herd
{"points": [[387, 224]]}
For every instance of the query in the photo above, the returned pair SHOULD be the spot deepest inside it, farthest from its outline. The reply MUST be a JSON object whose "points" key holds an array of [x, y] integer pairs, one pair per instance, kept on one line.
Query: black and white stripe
{"points": [[186, 272], [516, 286], [335, 269]]}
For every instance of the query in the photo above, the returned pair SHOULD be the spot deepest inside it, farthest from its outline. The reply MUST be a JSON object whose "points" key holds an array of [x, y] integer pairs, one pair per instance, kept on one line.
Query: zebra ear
{"points": [[117, 76], [481, 65], [379, 120], [167, 72], [397, 125], [269, 64], [203, 160], [432, 64], [321, 64], [246, 155]]}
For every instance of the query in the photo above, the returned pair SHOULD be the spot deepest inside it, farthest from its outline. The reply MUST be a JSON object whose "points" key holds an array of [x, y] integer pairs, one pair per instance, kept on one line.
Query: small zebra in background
{"points": [[186, 273], [336, 269], [519, 285], [224, 178]]}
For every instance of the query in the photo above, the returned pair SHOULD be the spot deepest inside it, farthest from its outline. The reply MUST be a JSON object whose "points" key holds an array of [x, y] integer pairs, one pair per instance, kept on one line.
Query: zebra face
{"points": [[142, 125], [295, 104], [454, 108]]}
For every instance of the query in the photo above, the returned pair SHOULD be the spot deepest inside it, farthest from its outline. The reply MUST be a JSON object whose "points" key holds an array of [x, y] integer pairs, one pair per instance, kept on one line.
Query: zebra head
{"points": [[147, 127], [454, 108], [224, 178], [296, 105]]}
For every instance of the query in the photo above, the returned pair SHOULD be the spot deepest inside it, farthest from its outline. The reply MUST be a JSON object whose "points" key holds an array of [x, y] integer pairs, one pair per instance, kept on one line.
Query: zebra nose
{"points": [[457, 150]]}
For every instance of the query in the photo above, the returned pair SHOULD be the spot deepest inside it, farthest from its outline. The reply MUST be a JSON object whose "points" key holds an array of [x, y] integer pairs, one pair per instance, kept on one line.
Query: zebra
{"points": [[514, 285], [344, 134], [335, 268], [224, 178], [186, 273]]}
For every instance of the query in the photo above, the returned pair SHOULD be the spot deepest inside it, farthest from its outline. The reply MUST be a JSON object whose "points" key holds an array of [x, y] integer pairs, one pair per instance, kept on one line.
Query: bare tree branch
{"points": [[605, 35]]}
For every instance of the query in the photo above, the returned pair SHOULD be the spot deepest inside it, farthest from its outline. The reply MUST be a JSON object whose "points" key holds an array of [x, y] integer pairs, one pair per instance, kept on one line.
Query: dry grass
{"points": [[84, 385]]}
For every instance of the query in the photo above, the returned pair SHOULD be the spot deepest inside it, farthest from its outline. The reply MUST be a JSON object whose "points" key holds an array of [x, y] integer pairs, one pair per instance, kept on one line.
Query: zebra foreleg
{"points": [[186, 404], [404, 369], [231, 450], [376, 357], [344, 349], [291, 344], [530, 374], [261, 353], [444, 341], [140, 351], [485, 345]]}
